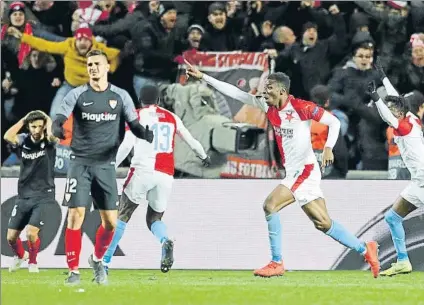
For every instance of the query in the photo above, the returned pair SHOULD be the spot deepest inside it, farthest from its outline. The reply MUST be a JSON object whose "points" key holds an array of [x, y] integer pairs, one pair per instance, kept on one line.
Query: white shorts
{"points": [[413, 194], [304, 184], [155, 187]]}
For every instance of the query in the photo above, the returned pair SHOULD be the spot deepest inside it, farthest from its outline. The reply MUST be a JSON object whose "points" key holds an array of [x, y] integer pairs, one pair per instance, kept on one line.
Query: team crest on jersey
{"points": [[42, 145], [67, 197], [113, 103]]}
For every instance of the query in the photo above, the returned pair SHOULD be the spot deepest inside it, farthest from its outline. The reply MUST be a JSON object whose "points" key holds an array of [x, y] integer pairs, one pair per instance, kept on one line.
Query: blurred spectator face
{"points": [[153, 6], [43, 4], [363, 29], [107, 5], [194, 38], [169, 19], [34, 59], [363, 58], [97, 67], [218, 19], [380, 6], [83, 45], [17, 18], [310, 37], [267, 28], [284, 35], [418, 56]]}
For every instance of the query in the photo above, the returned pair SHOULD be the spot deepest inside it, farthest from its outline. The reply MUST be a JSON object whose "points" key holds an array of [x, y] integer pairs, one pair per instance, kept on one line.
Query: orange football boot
{"points": [[270, 270], [372, 257]]}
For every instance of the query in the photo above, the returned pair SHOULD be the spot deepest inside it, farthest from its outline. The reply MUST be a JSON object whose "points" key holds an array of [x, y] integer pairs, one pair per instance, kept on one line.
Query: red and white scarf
{"points": [[24, 49]]}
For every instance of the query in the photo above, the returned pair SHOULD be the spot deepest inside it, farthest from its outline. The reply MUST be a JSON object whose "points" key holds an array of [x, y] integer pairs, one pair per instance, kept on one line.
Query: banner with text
{"points": [[219, 224]]}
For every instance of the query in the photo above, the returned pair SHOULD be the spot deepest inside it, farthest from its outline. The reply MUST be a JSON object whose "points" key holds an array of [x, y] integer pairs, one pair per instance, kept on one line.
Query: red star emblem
{"points": [[289, 116]]}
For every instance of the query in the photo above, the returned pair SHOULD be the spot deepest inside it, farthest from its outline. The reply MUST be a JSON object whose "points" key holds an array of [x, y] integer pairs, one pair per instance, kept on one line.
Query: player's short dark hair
{"points": [[398, 101], [320, 95], [415, 100], [282, 79], [35, 116], [96, 53], [149, 95]]}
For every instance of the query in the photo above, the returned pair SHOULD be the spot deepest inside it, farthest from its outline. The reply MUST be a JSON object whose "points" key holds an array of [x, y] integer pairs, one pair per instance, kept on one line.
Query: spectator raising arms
{"points": [[73, 51]]}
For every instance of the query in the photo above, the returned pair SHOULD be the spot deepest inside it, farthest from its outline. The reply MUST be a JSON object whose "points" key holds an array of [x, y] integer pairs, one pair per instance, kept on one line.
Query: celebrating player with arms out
{"points": [[97, 108], [151, 172], [408, 136], [290, 118], [36, 189]]}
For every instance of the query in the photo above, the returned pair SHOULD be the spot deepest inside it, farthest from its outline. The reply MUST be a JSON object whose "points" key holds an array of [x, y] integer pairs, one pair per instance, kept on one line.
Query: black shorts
{"points": [[30, 211], [91, 183]]}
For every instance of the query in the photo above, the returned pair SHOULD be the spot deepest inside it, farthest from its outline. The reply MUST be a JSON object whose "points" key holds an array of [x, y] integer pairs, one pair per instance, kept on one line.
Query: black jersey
{"points": [[36, 177], [97, 117]]}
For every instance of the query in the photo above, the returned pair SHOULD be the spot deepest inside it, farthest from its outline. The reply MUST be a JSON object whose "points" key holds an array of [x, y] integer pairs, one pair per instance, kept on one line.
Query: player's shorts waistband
{"points": [[90, 161]]}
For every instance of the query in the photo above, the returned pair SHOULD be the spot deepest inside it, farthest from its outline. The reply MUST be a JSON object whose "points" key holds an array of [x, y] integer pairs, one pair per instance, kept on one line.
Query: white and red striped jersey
{"points": [[407, 134], [158, 155], [291, 124], [292, 128]]}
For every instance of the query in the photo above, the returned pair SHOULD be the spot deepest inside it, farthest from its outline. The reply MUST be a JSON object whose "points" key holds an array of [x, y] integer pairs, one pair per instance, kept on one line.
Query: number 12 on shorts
{"points": [[163, 137], [71, 185]]}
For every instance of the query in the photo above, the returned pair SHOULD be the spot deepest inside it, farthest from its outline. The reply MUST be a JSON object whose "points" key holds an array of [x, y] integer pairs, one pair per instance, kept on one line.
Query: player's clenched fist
{"points": [[206, 161], [148, 135], [327, 157], [192, 71]]}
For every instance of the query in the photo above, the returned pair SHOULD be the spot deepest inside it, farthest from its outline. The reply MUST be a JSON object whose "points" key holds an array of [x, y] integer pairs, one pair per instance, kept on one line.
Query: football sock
{"points": [[73, 240], [119, 232], [274, 234], [18, 248], [158, 229], [33, 248], [339, 233], [103, 239], [394, 220]]}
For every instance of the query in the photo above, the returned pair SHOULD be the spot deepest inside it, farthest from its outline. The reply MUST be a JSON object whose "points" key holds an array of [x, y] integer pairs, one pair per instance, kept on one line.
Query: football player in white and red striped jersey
{"points": [[151, 173], [408, 135], [291, 119]]}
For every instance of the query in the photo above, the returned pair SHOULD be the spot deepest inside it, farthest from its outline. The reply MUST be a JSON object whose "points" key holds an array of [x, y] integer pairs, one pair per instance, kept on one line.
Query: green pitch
{"points": [[133, 287]]}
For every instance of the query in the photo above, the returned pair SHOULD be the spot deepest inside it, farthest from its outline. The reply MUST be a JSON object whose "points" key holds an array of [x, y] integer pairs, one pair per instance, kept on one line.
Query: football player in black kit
{"points": [[97, 108], [36, 189]]}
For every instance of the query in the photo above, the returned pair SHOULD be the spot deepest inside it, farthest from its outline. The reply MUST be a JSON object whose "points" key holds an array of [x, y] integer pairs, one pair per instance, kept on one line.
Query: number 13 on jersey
{"points": [[163, 137]]}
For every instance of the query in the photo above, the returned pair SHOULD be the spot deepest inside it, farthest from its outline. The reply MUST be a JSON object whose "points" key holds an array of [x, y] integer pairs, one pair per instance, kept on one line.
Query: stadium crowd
{"points": [[327, 48]]}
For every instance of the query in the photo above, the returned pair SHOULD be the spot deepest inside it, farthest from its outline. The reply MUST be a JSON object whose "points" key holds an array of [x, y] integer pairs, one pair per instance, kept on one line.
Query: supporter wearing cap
{"points": [[17, 19], [194, 35], [73, 50], [219, 35]]}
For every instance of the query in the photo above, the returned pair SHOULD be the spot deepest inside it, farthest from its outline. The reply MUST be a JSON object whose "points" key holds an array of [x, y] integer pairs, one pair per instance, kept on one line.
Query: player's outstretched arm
{"points": [[390, 89], [12, 134], [227, 89], [125, 147], [195, 145], [333, 124], [383, 110]]}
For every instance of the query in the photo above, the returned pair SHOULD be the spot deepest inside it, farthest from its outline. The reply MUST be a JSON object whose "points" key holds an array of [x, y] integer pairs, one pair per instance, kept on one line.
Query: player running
{"points": [[151, 174], [408, 136], [290, 118], [36, 189], [97, 108]]}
